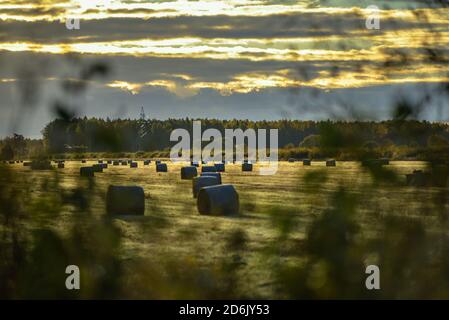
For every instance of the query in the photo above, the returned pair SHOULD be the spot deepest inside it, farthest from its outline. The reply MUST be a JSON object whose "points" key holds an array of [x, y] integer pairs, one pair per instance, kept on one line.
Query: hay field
{"points": [[173, 229]]}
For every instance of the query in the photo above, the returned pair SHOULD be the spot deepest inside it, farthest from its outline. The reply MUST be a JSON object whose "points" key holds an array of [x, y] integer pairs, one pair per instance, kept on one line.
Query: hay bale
{"points": [[306, 162], [87, 172], [218, 200], [188, 173], [247, 166], [133, 165], [61, 165], [419, 179], [129, 200], [220, 167], [208, 169], [161, 167], [41, 165], [374, 162], [212, 174], [97, 168], [203, 181], [331, 163]]}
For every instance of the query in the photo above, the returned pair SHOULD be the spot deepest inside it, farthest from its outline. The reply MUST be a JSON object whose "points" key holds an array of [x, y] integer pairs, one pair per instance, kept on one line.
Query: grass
{"points": [[285, 203]]}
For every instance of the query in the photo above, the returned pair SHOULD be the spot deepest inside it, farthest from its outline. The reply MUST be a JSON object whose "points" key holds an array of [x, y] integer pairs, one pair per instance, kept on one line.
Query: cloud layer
{"points": [[236, 58]]}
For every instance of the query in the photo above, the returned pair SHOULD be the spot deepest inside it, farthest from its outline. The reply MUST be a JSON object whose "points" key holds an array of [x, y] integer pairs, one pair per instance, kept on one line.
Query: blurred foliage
{"points": [[328, 261]]}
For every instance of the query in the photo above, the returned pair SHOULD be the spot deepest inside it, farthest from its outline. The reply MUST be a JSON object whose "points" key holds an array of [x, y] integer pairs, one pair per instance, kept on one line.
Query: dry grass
{"points": [[172, 226]]}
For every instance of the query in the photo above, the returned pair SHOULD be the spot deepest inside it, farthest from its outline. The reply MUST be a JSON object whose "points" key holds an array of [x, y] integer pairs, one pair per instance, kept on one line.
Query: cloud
{"points": [[237, 58]]}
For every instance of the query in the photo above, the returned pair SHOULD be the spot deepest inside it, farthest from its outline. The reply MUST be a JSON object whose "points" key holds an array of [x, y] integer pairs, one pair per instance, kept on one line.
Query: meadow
{"points": [[174, 252]]}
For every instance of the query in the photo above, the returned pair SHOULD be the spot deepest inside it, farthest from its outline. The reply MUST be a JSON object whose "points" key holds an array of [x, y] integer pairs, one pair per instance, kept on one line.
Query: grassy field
{"points": [[276, 212]]}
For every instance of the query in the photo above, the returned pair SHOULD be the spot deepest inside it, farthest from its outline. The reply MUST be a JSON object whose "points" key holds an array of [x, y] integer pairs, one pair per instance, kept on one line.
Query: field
{"points": [[172, 240]]}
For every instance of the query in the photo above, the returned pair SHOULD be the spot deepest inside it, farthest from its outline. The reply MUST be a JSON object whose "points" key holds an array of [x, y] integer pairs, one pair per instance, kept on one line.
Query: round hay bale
{"points": [[417, 179], [87, 172], [161, 167], [188, 173], [420, 179], [372, 163], [331, 163], [61, 165], [220, 167], [41, 165], [208, 169], [133, 165], [212, 174], [247, 166], [218, 200], [203, 181], [97, 168], [128, 200], [306, 162]]}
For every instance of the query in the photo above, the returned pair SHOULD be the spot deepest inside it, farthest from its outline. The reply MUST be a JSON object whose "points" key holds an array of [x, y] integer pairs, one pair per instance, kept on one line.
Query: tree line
{"points": [[79, 135]]}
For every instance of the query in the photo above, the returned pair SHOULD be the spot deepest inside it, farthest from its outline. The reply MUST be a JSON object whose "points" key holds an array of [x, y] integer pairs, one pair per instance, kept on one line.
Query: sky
{"points": [[247, 59]]}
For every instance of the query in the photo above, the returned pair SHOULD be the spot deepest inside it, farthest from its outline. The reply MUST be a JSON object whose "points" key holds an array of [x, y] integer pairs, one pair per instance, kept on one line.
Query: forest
{"points": [[396, 139]]}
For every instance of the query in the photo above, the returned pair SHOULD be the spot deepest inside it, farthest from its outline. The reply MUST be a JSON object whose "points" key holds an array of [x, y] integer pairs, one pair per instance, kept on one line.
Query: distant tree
{"points": [[370, 145], [436, 140], [7, 152], [311, 141]]}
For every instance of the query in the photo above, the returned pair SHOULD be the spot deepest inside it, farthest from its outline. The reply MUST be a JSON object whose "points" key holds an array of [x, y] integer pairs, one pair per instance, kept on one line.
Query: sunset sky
{"points": [[256, 59]]}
